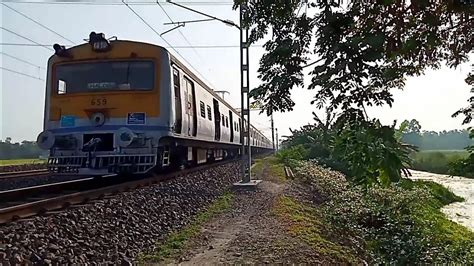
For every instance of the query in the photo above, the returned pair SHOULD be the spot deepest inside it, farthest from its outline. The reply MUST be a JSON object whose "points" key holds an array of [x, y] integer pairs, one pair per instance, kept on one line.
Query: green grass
{"points": [[21, 161], [269, 168], [442, 195], [176, 241], [456, 241], [436, 161], [306, 224]]}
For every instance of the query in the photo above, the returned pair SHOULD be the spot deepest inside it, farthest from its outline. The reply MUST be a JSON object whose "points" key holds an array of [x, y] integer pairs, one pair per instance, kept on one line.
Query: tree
{"points": [[365, 48]]}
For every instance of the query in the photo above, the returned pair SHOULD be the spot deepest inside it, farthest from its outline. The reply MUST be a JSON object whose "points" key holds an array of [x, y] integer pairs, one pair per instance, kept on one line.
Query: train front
{"points": [[102, 107]]}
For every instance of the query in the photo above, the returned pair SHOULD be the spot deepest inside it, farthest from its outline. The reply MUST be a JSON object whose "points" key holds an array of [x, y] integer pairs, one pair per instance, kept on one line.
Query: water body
{"points": [[460, 212]]}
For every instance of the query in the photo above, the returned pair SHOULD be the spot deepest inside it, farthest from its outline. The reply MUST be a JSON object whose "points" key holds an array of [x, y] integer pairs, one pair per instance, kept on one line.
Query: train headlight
{"points": [[45, 140], [125, 137], [97, 119], [99, 42]]}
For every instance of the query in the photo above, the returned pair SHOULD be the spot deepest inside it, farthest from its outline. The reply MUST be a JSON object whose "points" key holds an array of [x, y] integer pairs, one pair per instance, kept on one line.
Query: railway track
{"points": [[26, 202], [41, 172]]}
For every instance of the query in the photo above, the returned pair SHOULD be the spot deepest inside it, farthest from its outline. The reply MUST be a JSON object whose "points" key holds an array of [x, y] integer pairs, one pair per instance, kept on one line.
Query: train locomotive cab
{"points": [[103, 110], [115, 107]]}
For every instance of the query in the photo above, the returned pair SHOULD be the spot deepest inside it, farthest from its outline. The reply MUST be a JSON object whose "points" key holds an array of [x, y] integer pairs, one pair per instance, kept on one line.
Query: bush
{"points": [[462, 167], [289, 156], [400, 223]]}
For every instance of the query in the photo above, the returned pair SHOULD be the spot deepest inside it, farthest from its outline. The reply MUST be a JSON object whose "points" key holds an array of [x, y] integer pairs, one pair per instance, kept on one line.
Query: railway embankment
{"points": [[115, 229], [318, 217]]}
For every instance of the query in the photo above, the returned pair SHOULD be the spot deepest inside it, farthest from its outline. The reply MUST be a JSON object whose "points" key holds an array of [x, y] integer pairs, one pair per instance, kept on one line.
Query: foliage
{"points": [[174, 242], [464, 167], [436, 161], [468, 111], [24, 150], [410, 132], [398, 224], [365, 48], [371, 151], [290, 155], [365, 151]]}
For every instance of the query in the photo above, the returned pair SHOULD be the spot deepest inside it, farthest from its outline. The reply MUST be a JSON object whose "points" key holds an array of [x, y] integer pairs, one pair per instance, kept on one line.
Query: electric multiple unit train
{"points": [[118, 106]]}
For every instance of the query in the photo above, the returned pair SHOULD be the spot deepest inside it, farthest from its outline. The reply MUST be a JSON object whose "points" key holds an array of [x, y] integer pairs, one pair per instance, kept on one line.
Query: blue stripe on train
{"points": [[108, 127]]}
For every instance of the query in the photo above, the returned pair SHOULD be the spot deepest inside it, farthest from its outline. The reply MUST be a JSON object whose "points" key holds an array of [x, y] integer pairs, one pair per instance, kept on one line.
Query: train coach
{"points": [[116, 106]]}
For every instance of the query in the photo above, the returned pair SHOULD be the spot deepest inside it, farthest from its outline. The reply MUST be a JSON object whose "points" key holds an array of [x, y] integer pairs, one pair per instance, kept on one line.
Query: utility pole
{"points": [[273, 132], [276, 129], [244, 96], [244, 83]]}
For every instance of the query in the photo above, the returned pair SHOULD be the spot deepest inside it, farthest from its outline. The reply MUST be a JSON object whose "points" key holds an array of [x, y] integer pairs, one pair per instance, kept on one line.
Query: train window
{"points": [[61, 87], [203, 110], [105, 76], [223, 121], [209, 113], [227, 121], [176, 78]]}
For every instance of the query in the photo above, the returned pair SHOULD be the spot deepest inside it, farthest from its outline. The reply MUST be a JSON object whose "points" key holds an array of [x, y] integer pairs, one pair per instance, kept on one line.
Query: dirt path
{"points": [[248, 234]]}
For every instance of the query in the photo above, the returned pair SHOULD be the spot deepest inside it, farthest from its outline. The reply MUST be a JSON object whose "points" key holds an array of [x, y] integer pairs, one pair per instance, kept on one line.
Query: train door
{"points": [[231, 127], [217, 120], [190, 107], [177, 102]]}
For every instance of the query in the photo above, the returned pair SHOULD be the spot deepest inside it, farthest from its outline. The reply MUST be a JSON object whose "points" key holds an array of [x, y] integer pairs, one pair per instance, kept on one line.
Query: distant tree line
{"points": [[24, 150], [432, 140]]}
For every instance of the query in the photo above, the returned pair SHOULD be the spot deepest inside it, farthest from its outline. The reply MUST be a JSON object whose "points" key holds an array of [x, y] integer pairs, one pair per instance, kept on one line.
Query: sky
{"points": [[430, 98]]}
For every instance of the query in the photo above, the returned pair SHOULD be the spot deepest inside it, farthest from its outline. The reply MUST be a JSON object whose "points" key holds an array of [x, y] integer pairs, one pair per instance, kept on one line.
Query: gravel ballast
{"points": [[114, 230]]}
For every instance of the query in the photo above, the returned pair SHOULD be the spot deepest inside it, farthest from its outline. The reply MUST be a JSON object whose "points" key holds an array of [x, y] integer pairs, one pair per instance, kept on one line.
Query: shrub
{"points": [[288, 156], [400, 223]]}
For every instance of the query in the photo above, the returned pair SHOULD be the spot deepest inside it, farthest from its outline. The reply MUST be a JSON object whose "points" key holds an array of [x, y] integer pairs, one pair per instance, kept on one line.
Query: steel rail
{"points": [[45, 203]]}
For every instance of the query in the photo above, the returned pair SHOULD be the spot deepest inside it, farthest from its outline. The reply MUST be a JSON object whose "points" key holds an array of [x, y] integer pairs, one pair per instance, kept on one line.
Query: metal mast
{"points": [[244, 100]]}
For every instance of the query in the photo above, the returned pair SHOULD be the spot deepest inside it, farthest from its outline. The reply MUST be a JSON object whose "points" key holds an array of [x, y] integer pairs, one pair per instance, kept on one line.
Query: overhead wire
{"points": [[180, 32], [20, 73], [38, 23], [176, 46], [116, 3], [22, 60], [26, 38], [169, 44]]}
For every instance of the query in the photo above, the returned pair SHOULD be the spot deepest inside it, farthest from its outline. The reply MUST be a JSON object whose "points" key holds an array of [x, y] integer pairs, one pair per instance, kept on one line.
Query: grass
{"points": [[270, 168], [21, 161], [306, 224], [456, 241], [176, 241], [399, 224], [436, 161], [442, 195]]}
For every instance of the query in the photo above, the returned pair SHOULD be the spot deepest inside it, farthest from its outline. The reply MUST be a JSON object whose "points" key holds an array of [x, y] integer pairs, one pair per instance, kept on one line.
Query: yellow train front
{"points": [[128, 107]]}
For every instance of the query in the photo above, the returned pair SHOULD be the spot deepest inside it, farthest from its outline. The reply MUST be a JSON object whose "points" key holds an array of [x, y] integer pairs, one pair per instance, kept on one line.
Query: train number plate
{"points": [[99, 101]]}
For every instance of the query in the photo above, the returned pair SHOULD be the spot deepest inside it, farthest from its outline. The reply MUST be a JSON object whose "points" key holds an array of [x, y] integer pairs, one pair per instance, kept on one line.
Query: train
{"points": [[126, 107]]}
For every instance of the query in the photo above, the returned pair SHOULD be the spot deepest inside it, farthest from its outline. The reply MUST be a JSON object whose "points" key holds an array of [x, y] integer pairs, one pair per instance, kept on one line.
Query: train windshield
{"points": [[105, 76]]}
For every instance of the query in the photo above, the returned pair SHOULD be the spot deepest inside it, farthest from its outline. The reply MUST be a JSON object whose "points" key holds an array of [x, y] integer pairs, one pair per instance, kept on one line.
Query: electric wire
{"points": [[21, 60], [26, 38], [176, 46], [169, 44], [116, 3], [20, 73], [38, 23], [180, 32]]}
